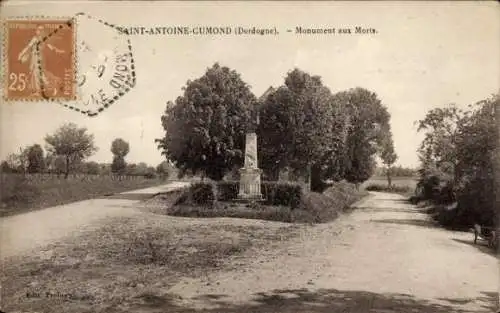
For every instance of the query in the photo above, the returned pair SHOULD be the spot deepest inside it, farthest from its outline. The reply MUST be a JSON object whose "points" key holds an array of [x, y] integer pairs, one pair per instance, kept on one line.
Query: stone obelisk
{"points": [[250, 173]]}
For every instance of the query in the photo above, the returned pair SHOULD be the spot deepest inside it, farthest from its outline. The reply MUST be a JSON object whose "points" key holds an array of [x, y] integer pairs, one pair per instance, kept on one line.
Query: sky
{"points": [[424, 55]]}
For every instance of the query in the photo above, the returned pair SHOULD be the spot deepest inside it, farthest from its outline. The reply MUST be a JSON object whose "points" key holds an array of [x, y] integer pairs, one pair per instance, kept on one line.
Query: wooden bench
{"points": [[488, 234]]}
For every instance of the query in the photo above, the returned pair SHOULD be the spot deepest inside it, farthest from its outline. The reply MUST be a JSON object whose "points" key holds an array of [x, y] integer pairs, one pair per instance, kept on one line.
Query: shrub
{"points": [[316, 208], [327, 206], [227, 190], [150, 175], [198, 193], [385, 188], [414, 200], [16, 190], [282, 193], [202, 193]]}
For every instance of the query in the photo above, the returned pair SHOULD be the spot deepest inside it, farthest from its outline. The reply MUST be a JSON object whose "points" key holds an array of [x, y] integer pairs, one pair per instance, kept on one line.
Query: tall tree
{"points": [[23, 159], [72, 143], [496, 205], [474, 154], [36, 162], [367, 125], [297, 127], [388, 155], [437, 152], [120, 148], [14, 163], [205, 127], [118, 165], [165, 169], [457, 156], [440, 126]]}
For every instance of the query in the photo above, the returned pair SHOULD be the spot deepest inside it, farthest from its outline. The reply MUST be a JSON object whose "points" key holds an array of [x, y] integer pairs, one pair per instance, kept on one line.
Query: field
{"points": [[402, 182], [21, 193]]}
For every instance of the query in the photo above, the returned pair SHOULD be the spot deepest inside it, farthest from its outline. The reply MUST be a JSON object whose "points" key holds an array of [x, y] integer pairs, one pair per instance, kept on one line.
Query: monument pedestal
{"points": [[250, 184], [250, 173]]}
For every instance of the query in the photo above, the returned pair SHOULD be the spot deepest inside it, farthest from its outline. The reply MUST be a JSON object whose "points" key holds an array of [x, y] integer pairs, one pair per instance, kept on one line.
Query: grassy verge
{"points": [[313, 207], [121, 264], [19, 194]]}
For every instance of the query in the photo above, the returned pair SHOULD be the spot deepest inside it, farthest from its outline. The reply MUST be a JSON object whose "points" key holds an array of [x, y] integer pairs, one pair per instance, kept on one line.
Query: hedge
{"points": [[227, 190], [201, 193], [275, 193], [282, 193]]}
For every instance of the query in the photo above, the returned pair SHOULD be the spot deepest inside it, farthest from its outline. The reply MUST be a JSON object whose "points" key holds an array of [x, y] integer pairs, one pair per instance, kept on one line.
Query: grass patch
{"points": [[20, 194], [107, 269], [236, 210]]}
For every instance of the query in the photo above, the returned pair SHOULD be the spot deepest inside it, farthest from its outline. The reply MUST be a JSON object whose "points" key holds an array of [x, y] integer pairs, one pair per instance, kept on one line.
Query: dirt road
{"points": [[25, 232], [384, 257]]}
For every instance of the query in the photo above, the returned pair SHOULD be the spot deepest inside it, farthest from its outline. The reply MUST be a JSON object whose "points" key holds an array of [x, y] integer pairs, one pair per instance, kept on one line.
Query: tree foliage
{"points": [[205, 127], [457, 156], [13, 164], [439, 144], [303, 127], [388, 155], [36, 162], [299, 129], [118, 165], [72, 143], [367, 125], [120, 148], [92, 168], [165, 169]]}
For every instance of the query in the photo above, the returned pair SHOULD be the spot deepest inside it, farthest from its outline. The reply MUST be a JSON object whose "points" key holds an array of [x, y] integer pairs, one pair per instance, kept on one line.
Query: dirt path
{"points": [[25, 232], [384, 257]]}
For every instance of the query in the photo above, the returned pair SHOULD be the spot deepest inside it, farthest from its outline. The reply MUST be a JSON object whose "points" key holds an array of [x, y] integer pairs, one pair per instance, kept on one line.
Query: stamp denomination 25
{"points": [[39, 60]]}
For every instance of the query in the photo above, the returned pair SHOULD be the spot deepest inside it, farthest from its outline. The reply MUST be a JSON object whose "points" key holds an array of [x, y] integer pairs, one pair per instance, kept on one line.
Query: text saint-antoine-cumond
{"points": [[198, 30]]}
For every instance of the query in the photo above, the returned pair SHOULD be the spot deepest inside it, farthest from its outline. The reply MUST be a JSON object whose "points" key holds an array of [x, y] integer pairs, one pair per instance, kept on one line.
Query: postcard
{"points": [[264, 156]]}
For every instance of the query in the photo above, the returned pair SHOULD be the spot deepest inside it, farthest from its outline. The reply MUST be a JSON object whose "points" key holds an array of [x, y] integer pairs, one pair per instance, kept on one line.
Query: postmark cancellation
{"points": [[39, 59]]}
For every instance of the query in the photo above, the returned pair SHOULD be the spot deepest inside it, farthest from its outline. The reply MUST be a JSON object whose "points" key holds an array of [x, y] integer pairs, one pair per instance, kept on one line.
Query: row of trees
{"points": [[396, 171], [457, 157], [67, 150], [302, 126]]}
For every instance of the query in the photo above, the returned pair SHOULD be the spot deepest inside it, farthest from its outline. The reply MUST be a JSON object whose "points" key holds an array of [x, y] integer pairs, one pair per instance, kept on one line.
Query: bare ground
{"points": [[384, 257]]}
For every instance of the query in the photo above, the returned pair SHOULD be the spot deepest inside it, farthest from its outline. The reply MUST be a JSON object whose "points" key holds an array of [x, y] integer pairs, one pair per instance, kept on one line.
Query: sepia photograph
{"points": [[249, 156]]}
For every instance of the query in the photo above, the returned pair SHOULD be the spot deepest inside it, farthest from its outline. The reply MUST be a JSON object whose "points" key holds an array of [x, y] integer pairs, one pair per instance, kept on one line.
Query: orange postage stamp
{"points": [[39, 60]]}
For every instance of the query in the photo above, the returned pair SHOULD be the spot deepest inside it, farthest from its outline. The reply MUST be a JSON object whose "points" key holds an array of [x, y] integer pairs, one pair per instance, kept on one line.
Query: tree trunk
{"points": [[316, 182], [389, 178], [309, 177], [66, 173]]}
